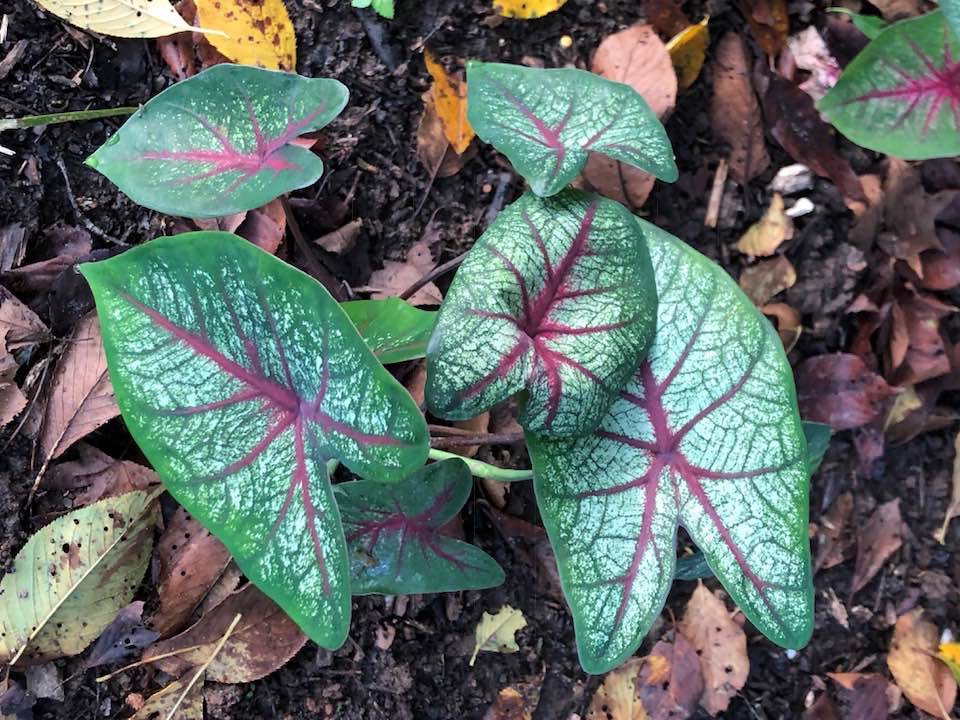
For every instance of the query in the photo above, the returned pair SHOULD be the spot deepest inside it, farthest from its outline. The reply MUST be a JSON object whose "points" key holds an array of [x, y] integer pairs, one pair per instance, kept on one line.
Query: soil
{"points": [[374, 174]]}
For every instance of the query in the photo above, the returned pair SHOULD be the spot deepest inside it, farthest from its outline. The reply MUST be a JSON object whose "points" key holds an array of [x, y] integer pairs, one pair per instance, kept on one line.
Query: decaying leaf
{"points": [[448, 94], [123, 638], [256, 32], [769, 23], [171, 701], [949, 653], [787, 321], [637, 57], [877, 540], [811, 53], [925, 681], [767, 278], [496, 633], [954, 508], [721, 644], [97, 475], [841, 391], [121, 18], [72, 576], [869, 696], [666, 16], [617, 698], [526, 9], [834, 535], [767, 234], [735, 112], [433, 148], [687, 49], [395, 277], [19, 328], [516, 702]]}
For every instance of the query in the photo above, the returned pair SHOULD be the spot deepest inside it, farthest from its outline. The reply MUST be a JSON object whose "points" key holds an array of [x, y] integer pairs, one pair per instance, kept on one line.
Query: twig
{"points": [[438, 271], [80, 216], [203, 668], [147, 661], [499, 196], [510, 438], [325, 277], [716, 194]]}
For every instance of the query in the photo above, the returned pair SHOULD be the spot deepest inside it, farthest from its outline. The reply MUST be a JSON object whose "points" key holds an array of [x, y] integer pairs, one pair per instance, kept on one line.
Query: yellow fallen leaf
{"points": [[687, 49], [120, 18], [949, 653], [954, 508], [912, 662], [904, 404], [769, 232], [495, 633], [526, 9], [258, 32], [449, 98]]}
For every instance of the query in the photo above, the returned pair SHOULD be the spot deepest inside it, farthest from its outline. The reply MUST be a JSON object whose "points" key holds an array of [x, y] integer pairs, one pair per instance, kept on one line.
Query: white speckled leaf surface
{"points": [[240, 377], [706, 435]]}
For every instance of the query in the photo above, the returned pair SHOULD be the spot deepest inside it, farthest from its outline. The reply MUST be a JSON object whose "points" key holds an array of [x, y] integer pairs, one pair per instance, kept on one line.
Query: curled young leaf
{"points": [[557, 297], [706, 435], [221, 142], [548, 121], [240, 377], [901, 95], [395, 540], [392, 328]]}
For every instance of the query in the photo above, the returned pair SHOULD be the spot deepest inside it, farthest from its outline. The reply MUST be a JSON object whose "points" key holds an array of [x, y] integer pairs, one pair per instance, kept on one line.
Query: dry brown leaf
{"points": [[433, 148], [97, 476], [788, 322], [265, 226], [767, 234], [160, 705], [477, 426], [80, 398], [734, 111], [917, 349], [516, 702], [617, 698], [898, 9], [12, 401], [953, 509], [767, 278], [19, 325], [448, 93], [877, 540], [925, 681], [841, 391], [671, 681], [263, 640], [721, 644], [666, 16], [496, 633], [769, 23], [342, 239], [834, 535], [869, 696], [637, 57], [398, 276]]}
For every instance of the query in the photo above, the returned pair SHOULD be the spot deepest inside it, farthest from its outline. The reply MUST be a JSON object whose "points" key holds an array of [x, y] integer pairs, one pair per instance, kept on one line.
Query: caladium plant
{"points": [[706, 435], [395, 534], [901, 94], [548, 121], [556, 298], [222, 141]]}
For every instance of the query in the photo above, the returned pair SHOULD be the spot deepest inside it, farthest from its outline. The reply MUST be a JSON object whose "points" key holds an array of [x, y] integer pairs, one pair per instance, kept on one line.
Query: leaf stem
{"points": [[56, 118], [457, 440], [482, 469]]}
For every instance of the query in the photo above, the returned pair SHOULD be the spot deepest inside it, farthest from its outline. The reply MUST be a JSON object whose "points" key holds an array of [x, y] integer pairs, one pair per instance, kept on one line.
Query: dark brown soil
{"points": [[374, 174]]}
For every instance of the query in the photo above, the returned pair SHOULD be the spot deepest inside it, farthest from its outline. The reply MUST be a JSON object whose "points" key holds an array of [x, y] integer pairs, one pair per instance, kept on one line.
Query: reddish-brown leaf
{"points": [[877, 540], [767, 278], [834, 535], [395, 277], [866, 695], [769, 23], [97, 475], [671, 681], [925, 681], [917, 349], [841, 391], [666, 16]]}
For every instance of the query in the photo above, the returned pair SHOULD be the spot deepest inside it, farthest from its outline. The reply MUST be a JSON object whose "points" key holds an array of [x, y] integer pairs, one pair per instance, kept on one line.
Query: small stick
{"points": [[138, 663], [510, 438], [80, 216], [716, 194], [433, 275], [203, 668]]}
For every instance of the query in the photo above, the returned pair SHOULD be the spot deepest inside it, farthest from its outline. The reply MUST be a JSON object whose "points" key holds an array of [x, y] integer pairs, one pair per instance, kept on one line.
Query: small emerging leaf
{"points": [[240, 377], [548, 121], [394, 534], [557, 297], [221, 142], [392, 328], [818, 440], [496, 633], [901, 94]]}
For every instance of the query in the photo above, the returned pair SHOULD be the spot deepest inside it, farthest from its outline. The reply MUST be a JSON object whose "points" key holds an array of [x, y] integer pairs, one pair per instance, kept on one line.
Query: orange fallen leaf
{"points": [[767, 278], [925, 681], [788, 323], [258, 32], [449, 97]]}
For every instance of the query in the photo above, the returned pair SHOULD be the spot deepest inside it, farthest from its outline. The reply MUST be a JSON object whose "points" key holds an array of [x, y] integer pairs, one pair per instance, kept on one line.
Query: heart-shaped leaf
{"points": [[901, 94], [557, 297], [707, 435], [240, 377], [951, 10], [221, 142], [395, 540], [548, 121], [394, 329]]}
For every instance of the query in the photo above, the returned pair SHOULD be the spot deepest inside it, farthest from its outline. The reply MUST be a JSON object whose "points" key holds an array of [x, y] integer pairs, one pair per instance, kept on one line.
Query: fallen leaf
{"points": [[671, 682], [384, 636], [666, 16], [97, 475], [170, 702], [476, 426], [721, 644], [395, 277], [186, 54], [44, 681], [922, 353], [834, 535], [617, 698], [448, 94], [636, 57], [12, 399], [767, 278], [265, 226], [925, 681], [516, 702], [769, 23], [66, 245], [735, 112], [120, 18], [822, 709], [191, 562], [526, 9], [123, 638], [495, 633], [342, 239], [867, 695], [788, 322], [262, 641], [798, 127], [767, 234], [949, 653], [941, 268], [898, 9], [953, 509], [256, 32], [433, 148], [839, 390], [810, 53], [80, 398], [19, 325], [877, 540], [687, 49], [837, 609]]}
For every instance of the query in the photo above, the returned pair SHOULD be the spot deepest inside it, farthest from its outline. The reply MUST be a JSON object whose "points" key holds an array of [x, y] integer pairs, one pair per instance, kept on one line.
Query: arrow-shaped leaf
{"points": [[221, 142], [394, 329], [557, 297], [707, 435], [240, 377], [395, 540], [901, 94], [548, 121]]}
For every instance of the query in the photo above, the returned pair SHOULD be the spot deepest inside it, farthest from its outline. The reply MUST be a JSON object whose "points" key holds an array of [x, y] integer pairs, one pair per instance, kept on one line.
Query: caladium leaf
{"points": [[221, 142], [240, 377], [394, 329], [548, 121], [706, 435], [394, 534], [951, 11], [901, 94], [557, 297]]}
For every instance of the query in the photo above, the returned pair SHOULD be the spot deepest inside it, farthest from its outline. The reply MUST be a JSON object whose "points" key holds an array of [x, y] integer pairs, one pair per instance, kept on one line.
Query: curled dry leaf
{"points": [[925, 681], [395, 277], [839, 390], [767, 234], [448, 94], [735, 112], [264, 226], [787, 321], [637, 57], [834, 534], [877, 540], [516, 702], [255, 32], [123, 638], [954, 508], [767, 278], [687, 49], [496, 633], [721, 644], [526, 9], [97, 475]]}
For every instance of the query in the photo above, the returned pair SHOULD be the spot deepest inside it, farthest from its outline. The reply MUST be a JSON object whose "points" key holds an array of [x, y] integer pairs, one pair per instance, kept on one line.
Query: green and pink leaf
{"points": [[393, 329]]}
